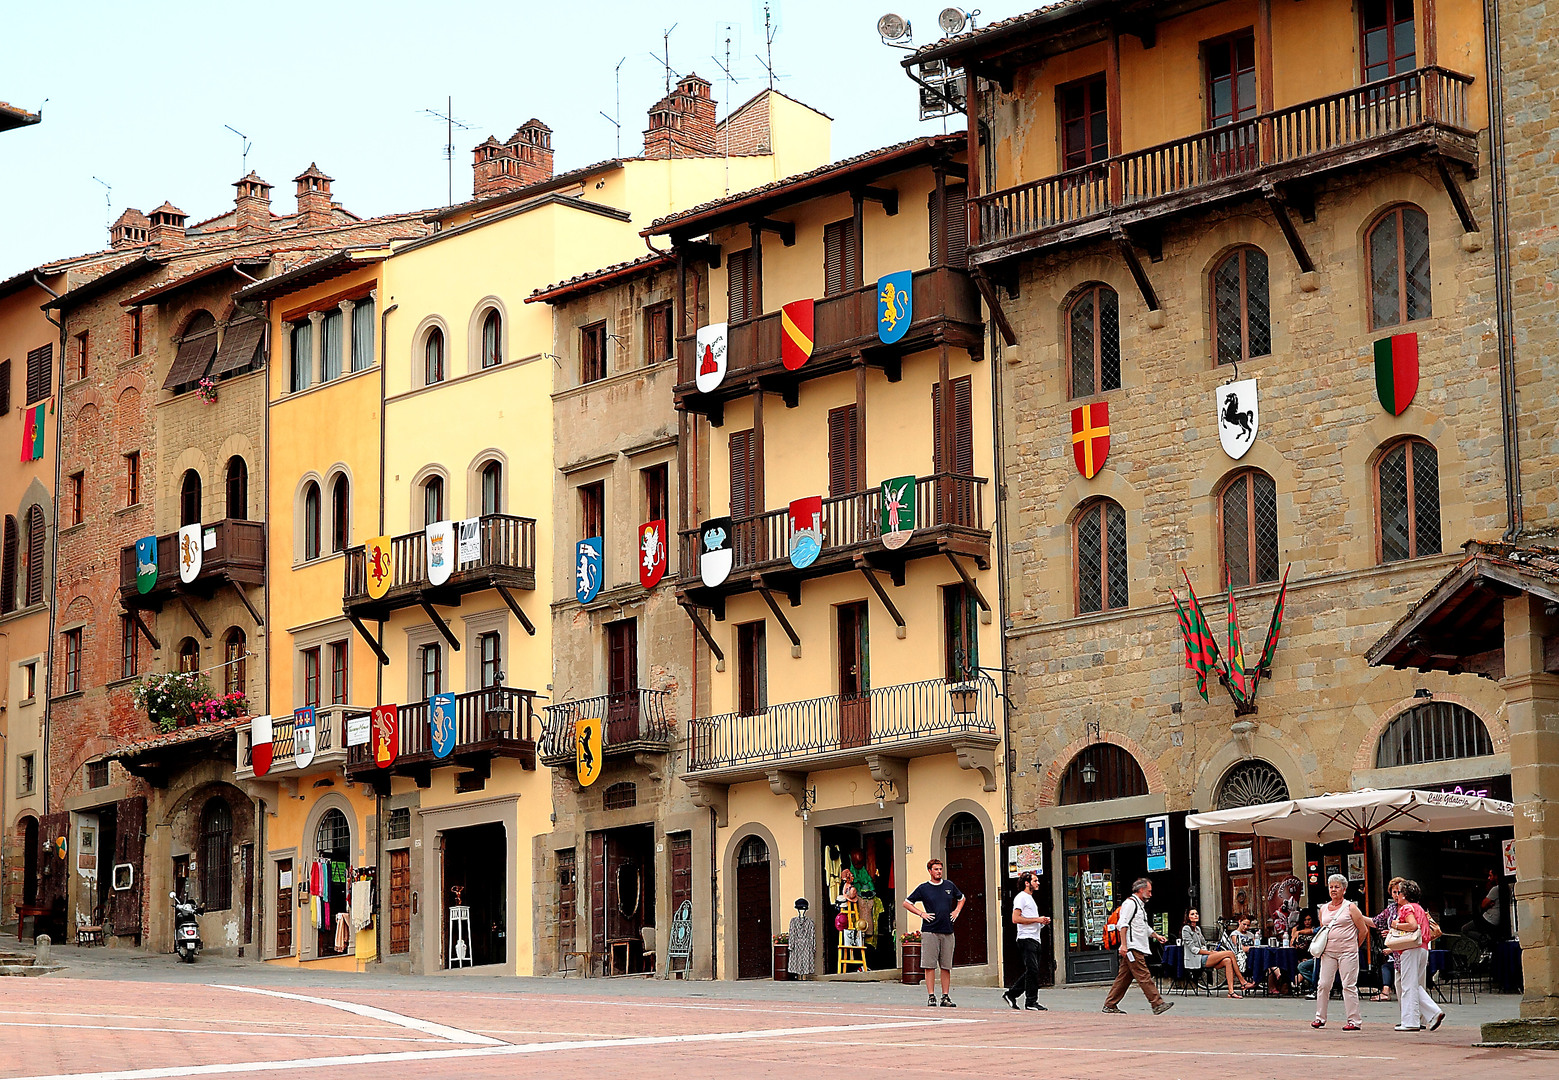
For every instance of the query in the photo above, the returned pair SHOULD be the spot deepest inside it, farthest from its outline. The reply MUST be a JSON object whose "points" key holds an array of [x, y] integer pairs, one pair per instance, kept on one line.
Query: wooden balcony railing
{"points": [[634, 720], [498, 722], [850, 522], [508, 555], [1238, 155], [237, 550]]}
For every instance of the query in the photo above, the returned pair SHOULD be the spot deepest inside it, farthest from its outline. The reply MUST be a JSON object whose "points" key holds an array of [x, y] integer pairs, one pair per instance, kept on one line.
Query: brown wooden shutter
{"points": [[5, 387], [35, 556], [839, 269], [622, 645], [956, 228], [39, 362], [963, 425], [844, 473], [598, 893], [739, 272], [8, 567], [743, 465], [124, 905]]}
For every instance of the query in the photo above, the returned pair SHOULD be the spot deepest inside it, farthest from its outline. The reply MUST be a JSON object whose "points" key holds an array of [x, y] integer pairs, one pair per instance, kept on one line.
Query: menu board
{"points": [[1097, 893]]}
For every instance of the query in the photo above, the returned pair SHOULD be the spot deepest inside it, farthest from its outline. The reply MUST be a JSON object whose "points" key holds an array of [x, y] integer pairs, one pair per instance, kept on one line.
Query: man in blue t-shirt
{"points": [[938, 902]]}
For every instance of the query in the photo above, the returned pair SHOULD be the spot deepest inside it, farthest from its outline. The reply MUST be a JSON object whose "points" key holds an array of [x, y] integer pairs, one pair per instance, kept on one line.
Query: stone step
{"points": [[28, 969], [17, 958]]}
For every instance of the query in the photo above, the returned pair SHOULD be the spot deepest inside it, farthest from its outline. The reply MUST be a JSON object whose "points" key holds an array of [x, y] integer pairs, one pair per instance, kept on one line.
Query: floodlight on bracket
{"points": [[895, 30], [953, 20]]}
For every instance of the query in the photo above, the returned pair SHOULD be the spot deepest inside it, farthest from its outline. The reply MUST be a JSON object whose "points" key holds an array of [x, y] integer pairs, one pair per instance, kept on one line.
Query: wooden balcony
{"points": [[1421, 111], [949, 519], [946, 307], [508, 559], [635, 721], [234, 554], [494, 723], [329, 743]]}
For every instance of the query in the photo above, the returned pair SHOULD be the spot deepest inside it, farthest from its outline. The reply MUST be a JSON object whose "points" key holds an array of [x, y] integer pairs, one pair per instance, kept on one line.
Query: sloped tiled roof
{"points": [[216, 729], [976, 39], [633, 267]]}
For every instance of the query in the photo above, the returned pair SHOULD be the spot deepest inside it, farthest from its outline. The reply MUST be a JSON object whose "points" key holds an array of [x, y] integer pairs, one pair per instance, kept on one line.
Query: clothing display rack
{"points": [[851, 955]]}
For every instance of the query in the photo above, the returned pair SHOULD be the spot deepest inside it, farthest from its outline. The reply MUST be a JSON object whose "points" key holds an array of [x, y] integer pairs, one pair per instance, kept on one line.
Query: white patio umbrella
{"points": [[1323, 819]]}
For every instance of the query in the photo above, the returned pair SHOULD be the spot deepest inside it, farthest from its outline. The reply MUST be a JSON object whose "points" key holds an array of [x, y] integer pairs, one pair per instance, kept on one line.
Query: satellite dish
{"points": [[892, 27], [951, 20]]}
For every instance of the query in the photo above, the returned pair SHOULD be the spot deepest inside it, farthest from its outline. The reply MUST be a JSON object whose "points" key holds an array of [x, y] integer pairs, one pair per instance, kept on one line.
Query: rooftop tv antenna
{"points": [[243, 162], [108, 202], [450, 124], [767, 59], [895, 30], [616, 121], [729, 79], [665, 61]]}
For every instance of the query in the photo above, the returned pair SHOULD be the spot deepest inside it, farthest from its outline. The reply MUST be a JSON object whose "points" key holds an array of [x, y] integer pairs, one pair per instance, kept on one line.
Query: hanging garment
{"points": [[803, 946], [314, 911], [343, 932], [362, 904]]}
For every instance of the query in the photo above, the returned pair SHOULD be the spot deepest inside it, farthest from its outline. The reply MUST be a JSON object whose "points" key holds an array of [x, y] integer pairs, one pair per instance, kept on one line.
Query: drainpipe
{"points": [[384, 320], [1503, 303], [54, 555]]}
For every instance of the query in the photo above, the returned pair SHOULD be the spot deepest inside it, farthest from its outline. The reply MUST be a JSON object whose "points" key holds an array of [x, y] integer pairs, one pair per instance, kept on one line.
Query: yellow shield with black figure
{"points": [[588, 741], [377, 566]]}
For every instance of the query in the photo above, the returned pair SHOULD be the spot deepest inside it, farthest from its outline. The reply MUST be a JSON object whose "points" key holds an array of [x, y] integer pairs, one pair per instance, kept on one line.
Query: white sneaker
{"points": [[1405, 1027]]}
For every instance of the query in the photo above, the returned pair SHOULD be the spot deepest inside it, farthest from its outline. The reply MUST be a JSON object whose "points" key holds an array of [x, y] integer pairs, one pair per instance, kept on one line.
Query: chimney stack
{"points": [[168, 225], [313, 198], [131, 229], [253, 203], [524, 160], [682, 124]]}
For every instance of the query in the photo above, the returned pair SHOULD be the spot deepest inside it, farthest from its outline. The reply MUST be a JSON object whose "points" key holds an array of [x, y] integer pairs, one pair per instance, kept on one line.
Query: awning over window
{"points": [[189, 367], [240, 347]]}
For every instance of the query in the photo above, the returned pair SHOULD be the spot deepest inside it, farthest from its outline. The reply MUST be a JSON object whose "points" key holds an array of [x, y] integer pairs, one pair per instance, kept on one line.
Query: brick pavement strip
{"points": [[367, 1027]]}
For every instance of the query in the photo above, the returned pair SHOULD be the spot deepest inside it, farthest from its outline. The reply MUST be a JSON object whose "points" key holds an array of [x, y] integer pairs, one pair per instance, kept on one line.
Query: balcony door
{"points": [[855, 717], [622, 678], [1230, 64], [954, 484]]}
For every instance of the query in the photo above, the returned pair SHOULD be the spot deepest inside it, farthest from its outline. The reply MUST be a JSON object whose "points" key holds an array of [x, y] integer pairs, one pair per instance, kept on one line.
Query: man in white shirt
{"points": [[1135, 935], [1030, 924]]}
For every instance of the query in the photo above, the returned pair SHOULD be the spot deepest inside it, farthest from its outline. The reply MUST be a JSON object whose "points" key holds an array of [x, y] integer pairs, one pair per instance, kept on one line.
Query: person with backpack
{"points": [[1128, 931]]}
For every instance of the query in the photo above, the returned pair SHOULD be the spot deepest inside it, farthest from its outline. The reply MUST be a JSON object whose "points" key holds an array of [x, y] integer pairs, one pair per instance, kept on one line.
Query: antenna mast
{"points": [[108, 201], [450, 124], [616, 121], [243, 162], [729, 79], [769, 30], [665, 61]]}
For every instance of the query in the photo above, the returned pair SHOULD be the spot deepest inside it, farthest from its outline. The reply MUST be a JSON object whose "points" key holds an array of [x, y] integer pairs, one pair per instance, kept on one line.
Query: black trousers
{"points": [[1028, 949]]}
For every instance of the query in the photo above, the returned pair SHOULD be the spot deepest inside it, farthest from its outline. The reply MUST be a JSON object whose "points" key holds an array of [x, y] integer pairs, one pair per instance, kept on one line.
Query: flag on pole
{"points": [[32, 433], [1201, 645], [1239, 679], [1264, 665]]}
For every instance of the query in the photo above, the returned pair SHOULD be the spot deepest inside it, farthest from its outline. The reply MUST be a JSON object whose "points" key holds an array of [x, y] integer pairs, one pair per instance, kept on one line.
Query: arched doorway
{"points": [[754, 912], [966, 869], [1258, 871], [327, 877]]}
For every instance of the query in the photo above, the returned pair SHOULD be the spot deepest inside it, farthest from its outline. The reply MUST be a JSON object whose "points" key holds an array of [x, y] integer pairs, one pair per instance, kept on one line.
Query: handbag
{"points": [[1402, 940], [1318, 943]]}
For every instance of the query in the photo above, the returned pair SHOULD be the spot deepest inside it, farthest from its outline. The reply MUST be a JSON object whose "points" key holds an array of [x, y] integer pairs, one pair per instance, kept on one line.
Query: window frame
{"points": [[300, 372], [1393, 61], [655, 481], [1248, 474], [72, 672], [311, 676], [434, 494], [340, 513], [192, 656], [132, 475], [592, 509], [236, 488], [1243, 286], [313, 520], [129, 647], [340, 673], [1407, 445], [659, 343], [78, 483], [435, 356], [36, 535], [592, 352], [841, 267], [489, 666], [1101, 505], [740, 281], [1093, 291], [490, 339], [752, 664], [1398, 214], [82, 344], [490, 479], [216, 870], [191, 498], [135, 331], [1088, 153], [235, 671], [435, 673]]}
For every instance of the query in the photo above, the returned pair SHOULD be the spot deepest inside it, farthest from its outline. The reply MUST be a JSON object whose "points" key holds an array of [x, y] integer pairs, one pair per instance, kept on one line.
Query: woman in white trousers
{"points": [[1345, 928], [1413, 964]]}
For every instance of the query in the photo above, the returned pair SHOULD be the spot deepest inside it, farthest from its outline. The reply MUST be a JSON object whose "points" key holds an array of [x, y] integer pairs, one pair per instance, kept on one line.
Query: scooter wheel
{"points": [[187, 956]]}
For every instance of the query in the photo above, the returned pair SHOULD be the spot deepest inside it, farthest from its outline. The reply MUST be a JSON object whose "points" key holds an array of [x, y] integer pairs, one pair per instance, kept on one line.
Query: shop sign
{"points": [[1240, 858], [895, 306], [1025, 858], [191, 554], [441, 551], [1238, 415], [145, 564], [1158, 843], [468, 534], [1508, 851], [357, 730], [303, 728], [441, 718]]}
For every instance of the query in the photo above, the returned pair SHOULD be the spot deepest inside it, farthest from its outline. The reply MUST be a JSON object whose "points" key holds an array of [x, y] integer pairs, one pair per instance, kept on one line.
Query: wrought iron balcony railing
{"points": [[234, 551], [882, 718], [508, 557], [496, 722], [633, 720], [1386, 116]]}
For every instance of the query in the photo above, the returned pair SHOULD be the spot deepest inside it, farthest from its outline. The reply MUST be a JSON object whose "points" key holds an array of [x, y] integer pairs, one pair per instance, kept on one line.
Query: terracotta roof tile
{"points": [[195, 733], [644, 263]]}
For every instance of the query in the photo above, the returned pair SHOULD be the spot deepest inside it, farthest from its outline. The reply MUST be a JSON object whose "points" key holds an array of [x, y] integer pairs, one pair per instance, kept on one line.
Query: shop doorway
{"points": [[622, 896], [754, 910], [873, 841], [476, 863], [855, 717], [966, 868], [333, 857], [30, 862], [1259, 882], [1101, 863]]}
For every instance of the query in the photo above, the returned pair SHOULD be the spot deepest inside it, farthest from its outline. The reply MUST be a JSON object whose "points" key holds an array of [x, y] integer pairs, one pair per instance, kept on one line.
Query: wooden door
{"points": [[1230, 66], [568, 901], [597, 884], [966, 869], [754, 911], [400, 901], [622, 681], [284, 907], [246, 872], [855, 719], [1253, 890], [124, 905], [681, 850]]}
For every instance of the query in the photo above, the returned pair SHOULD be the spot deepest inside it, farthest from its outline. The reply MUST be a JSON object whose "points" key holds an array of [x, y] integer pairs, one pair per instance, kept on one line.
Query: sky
{"points": [[136, 95]]}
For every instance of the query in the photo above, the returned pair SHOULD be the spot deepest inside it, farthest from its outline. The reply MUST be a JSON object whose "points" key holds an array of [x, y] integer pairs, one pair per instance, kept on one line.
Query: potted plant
{"points": [[169, 698], [207, 389], [781, 957], [909, 951]]}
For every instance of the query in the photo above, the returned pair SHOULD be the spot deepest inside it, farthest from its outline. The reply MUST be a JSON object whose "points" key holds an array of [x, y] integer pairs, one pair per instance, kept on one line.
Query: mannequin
{"points": [[803, 943]]}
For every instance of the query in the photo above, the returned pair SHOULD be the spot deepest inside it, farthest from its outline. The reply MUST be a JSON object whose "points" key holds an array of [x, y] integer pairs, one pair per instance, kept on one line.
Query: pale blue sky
{"points": [[138, 94]]}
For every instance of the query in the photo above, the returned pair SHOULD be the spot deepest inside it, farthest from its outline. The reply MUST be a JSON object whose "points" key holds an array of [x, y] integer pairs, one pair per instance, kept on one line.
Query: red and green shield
{"points": [[1396, 372]]}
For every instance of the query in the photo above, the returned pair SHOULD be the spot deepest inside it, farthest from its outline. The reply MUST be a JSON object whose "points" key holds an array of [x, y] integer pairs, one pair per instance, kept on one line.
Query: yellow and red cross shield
{"points": [[1091, 437]]}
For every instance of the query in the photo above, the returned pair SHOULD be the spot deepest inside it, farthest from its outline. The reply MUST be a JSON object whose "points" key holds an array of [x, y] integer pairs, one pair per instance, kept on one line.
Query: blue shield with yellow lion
{"points": [[895, 306]]}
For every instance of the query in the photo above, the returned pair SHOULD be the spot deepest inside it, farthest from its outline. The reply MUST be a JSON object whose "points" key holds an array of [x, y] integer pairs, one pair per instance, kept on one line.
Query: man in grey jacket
{"points": [[1135, 935]]}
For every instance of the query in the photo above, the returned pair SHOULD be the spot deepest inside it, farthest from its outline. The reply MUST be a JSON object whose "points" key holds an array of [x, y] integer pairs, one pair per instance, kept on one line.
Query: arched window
{"points": [[1093, 338], [237, 489], [492, 488], [216, 855], [1099, 541], [1251, 783], [235, 676], [34, 556], [753, 852], [433, 357], [340, 512], [1101, 771], [433, 500], [189, 498], [1242, 312], [1398, 247], [333, 838], [492, 339], [1407, 479], [1248, 524], [1433, 731], [311, 521], [189, 655], [8, 566]]}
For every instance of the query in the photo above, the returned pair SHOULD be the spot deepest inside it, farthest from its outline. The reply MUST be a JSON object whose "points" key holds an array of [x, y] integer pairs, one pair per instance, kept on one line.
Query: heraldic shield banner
{"points": [[303, 732], [652, 553], [898, 511], [1091, 437], [441, 722], [715, 556], [588, 563], [587, 749], [190, 553], [441, 551], [145, 564], [386, 735], [1238, 416], [709, 359], [377, 566], [895, 305], [1396, 372], [796, 333], [260, 747], [806, 531]]}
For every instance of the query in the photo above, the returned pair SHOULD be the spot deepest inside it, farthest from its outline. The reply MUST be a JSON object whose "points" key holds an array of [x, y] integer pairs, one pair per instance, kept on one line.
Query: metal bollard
{"points": [[42, 943]]}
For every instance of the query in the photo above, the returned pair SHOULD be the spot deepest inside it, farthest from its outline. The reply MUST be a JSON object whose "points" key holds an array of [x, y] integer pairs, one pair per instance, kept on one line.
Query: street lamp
{"points": [[1090, 774]]}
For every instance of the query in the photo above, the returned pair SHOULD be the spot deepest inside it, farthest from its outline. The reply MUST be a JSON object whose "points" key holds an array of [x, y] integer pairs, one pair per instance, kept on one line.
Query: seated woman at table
{"points": [[1243, 939], [1199, 954]]}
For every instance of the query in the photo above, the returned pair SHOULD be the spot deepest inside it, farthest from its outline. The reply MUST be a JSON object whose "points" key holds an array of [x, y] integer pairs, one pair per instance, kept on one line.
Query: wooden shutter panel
{"points": [[597, 870], [741, 474], [38, 363], [956, 228], [8, 569], [5, 387], [834, 243], [963, 425], [739, 271], [35, 556], [844, 472]]}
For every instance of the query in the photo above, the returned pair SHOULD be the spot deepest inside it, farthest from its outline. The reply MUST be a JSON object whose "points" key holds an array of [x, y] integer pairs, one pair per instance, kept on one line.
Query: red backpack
{"points": [[1112, 927]]}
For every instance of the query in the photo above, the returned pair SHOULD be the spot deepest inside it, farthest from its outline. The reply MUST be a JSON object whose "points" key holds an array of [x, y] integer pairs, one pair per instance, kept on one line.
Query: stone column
{"points": [[316, 348], [346, 307]]}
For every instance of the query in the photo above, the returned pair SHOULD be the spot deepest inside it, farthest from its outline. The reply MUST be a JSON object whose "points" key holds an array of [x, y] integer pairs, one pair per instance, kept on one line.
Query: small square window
{"points": [[97, 774], [399, 826], [26, 774], [78, 483], [30, 681]]}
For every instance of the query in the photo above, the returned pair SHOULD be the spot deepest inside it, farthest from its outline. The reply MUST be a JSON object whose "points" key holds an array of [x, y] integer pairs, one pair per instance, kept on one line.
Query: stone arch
{"points": [[1266, 745], [418, 481], [733, 845], [187, 322], [474, 481], [192, 458], [1499, 730], [333, 800], [474, 332], [419, 340], [1062, 758]]}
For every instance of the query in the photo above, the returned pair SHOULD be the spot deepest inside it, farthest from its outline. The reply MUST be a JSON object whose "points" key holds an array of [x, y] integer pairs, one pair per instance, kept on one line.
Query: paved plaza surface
{"points": [[134, 1015]]}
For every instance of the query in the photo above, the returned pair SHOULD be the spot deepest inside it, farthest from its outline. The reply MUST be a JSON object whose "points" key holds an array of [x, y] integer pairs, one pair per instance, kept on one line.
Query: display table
{"points": [[1507, 966], [1262, 958]]}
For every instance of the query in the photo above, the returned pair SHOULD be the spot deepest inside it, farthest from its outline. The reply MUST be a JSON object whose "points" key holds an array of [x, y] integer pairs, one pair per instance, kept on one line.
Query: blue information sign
{"points": [[1158, 843]]}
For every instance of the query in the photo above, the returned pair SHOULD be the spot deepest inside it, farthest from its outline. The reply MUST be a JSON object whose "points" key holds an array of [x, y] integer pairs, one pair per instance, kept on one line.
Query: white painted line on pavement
{"points": [[1114, 1050], [150, 1016], [365, 1037], [500, 1050], [754, 1006], [451, 1034]]}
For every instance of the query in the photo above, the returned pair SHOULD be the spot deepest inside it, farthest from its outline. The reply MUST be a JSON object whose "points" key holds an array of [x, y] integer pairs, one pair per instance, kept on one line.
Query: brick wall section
{"points": [[682, 124], [1320, 426], [746, 131]]}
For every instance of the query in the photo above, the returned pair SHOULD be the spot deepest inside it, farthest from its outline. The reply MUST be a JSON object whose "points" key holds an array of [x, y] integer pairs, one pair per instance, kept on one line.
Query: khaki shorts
{"points": [[936, 951]]}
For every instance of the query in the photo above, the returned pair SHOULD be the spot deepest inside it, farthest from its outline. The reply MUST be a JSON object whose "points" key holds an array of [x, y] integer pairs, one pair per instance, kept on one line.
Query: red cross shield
{"points": [[1091, 437]]}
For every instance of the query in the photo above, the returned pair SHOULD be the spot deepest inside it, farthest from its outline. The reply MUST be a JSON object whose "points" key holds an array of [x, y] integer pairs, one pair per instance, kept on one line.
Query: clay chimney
{"points": [[682, 124], [131, 229], [167, 223], [253, 203], [524, 160], [313, 198]]}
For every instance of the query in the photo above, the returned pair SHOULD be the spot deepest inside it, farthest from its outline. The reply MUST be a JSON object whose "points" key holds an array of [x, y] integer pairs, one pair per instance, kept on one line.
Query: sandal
{"points": [[1232, 994]]}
